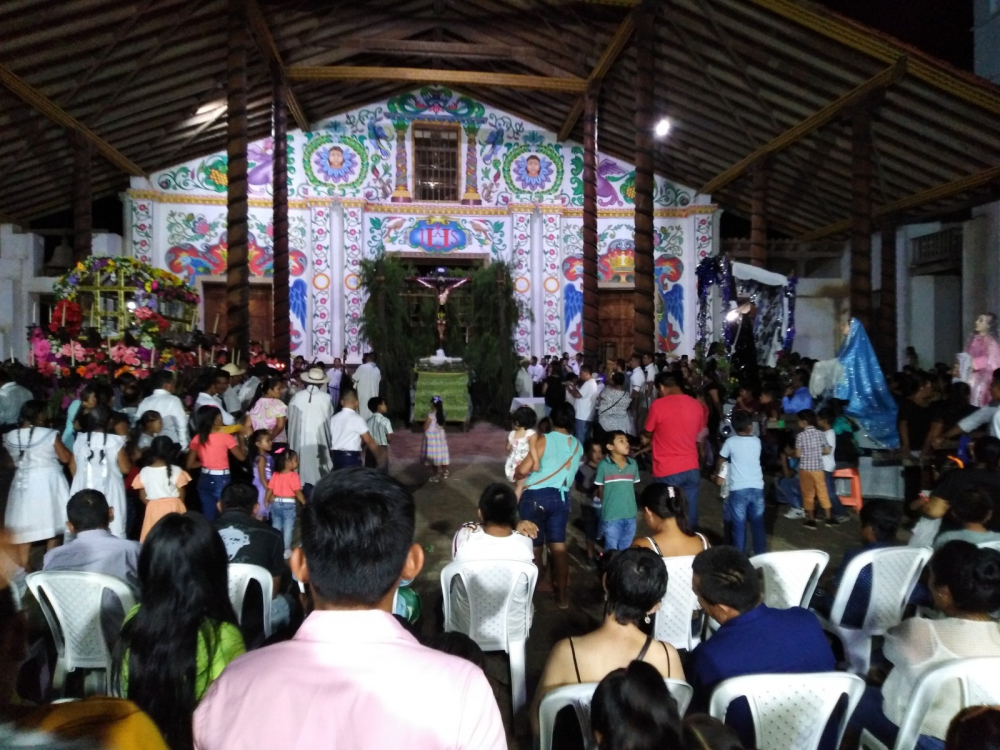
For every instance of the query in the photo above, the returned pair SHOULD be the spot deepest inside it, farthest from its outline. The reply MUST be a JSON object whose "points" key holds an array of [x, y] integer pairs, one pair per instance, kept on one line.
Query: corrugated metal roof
{"points": [[149, 78]]}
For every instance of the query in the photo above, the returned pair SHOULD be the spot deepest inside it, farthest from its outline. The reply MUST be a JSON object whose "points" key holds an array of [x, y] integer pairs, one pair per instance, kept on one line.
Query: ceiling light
{"points": [[663, 127]]}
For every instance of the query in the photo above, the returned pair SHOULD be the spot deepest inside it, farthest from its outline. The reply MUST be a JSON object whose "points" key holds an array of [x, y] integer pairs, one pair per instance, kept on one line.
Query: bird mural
{"points": [[297, 296], [607, 195], [189, 261], [494, 140], [296, 263], [672, 296], [573, 315], [383, 186], [379, 136]]}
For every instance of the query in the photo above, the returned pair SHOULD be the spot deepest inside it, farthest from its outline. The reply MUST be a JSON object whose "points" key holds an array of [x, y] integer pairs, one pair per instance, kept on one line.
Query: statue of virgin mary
{"points": [[862, 385]]}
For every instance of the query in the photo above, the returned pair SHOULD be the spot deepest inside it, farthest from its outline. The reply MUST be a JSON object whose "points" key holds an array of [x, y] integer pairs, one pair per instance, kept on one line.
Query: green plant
{"points": [[491, 354], [385, 325]]}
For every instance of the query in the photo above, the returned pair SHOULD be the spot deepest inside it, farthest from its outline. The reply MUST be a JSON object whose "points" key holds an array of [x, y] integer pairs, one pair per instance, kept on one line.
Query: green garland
{"points": [[491, 353]]}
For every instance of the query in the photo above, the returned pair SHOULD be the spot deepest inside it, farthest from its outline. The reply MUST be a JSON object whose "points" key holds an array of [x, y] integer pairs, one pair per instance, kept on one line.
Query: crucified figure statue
{"points": [[443, 287]]}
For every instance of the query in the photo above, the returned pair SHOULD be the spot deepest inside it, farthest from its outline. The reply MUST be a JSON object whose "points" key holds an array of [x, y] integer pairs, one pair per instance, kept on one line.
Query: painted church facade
{"points": [[357, 187]]}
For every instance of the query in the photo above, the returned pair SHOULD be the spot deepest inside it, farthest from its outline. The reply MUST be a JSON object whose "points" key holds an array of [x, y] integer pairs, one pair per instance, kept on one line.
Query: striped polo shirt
{"points": [[619, 488]]}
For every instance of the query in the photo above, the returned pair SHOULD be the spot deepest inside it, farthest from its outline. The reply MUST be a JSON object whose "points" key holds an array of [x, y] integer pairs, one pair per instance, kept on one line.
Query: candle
{"points": [[237, 357], [64, 315], [199, 356], [72, 353], [34, 312], [12, 354], [194, 318], [152, 358], [31, 356], [215, 328]]}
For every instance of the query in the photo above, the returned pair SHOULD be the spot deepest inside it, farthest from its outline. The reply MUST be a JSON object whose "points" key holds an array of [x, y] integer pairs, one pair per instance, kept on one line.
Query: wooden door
{"points": [[261, 311], [616, 316]]}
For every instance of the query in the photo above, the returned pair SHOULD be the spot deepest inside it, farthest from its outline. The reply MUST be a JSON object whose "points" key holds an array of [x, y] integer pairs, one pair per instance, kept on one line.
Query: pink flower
{"points": [[41, 347], [125, 355], [201, 227], [144, 313], [73, 348]]}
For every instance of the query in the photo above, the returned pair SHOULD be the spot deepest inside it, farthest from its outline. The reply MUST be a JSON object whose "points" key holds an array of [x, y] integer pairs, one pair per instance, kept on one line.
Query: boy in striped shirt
{"points": [[380, 429], [617, 475]]}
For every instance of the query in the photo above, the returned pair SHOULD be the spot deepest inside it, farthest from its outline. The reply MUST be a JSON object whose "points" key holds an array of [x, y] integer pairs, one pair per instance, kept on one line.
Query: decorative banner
{"points": [[320, 241], [437, 234], [550, 283], [521, 244]]}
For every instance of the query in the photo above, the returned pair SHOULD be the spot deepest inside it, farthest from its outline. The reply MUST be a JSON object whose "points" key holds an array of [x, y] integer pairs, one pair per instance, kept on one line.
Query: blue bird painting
{"points": [[297, 296], [673, 307], [573, 311], [379, 135], [494, 140]]}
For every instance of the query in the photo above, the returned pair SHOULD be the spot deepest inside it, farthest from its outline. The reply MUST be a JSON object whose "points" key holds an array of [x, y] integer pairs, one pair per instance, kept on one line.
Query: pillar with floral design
{"points": [[402, 192], [471, 195]]}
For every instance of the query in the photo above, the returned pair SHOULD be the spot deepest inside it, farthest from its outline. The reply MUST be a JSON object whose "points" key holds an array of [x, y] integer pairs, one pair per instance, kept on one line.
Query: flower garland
{"points": [[151, 284]]}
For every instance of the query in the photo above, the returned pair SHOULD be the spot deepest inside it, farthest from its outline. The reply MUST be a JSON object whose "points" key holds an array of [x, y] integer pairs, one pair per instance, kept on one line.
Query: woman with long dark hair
{"points": [[184, 633], [633, 710], [665, 509]]}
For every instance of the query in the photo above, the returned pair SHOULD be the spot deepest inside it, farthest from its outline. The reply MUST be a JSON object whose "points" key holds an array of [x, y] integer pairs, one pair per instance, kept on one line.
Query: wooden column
{"points": [[887, 322], [282, 318], [83, 217], [861, 219], [591, 325], [758, 216], [644, 89], [238, 267]]}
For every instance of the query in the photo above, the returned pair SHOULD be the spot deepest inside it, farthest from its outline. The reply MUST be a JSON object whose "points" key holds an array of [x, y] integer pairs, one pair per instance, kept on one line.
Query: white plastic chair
{"points": [[790, 577], [978, 685], [240, 575], [579, 697], [71, 602], [673, 622], [790, 711], [490, 586], [895, 572]]}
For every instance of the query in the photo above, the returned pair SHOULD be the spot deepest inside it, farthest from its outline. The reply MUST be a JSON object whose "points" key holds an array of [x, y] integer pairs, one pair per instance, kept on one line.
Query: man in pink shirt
{"points": [[672, 425], [352, 678]]}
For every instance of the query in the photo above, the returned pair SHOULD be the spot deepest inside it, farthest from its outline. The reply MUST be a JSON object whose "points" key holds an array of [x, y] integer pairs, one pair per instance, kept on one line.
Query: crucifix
{"points": [[443, 287]]}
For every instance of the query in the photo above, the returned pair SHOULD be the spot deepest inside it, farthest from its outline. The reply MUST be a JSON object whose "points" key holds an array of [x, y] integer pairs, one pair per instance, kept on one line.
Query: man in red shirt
{"points": [[672, 425]]}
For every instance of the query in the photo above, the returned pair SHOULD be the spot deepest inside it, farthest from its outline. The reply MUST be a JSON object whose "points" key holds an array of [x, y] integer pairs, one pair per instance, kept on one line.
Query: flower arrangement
{"points": [[152, 330]]}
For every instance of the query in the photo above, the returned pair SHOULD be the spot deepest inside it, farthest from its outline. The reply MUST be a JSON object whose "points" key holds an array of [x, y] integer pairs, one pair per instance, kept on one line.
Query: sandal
{"points": [[444, 474]]}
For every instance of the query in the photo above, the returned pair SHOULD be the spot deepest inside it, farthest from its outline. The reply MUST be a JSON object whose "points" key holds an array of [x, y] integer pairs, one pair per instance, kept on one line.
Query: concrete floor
{"points": [[477, 460]]}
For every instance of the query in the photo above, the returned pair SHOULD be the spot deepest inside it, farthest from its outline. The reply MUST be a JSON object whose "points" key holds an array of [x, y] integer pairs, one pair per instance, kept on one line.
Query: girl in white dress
{"points": [[36, 505], [102, 462]]}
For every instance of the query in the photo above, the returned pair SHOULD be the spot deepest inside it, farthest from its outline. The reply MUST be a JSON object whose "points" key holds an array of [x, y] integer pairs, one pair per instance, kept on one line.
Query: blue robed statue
{"points": [[862, 385]]}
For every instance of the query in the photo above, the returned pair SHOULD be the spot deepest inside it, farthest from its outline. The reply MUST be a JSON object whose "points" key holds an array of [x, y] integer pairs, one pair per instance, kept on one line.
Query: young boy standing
{"points": [[809, 445], [746, 483], [584, 492], [824, 423], [616, 478], [381, 431]]}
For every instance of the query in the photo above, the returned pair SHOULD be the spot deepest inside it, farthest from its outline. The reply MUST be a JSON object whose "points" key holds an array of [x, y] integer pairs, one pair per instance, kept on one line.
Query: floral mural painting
{"points": [[533, 171], [198, 247], [260, 166], [608, 171], [668, 270], [572, 272], [210, 174], [340, 163]]}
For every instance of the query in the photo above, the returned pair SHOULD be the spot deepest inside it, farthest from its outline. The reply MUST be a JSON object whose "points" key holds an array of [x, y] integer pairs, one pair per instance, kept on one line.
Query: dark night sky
{"points": [[942, 28]]}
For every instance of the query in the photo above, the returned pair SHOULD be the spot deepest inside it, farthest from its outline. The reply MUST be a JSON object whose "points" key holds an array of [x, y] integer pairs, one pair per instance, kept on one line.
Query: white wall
{"points": [[21, 283]]}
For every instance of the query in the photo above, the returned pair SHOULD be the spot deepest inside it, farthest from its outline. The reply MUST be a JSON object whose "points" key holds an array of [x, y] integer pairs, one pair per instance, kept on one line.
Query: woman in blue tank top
{"points": [[548, 470]]}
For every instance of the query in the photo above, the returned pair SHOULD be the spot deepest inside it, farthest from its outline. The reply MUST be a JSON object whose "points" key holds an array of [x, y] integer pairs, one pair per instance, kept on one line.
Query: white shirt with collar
{"points": [[650, 372], [637, 381], [172, 410], [346, 429], [537, 373], [205, 399]]}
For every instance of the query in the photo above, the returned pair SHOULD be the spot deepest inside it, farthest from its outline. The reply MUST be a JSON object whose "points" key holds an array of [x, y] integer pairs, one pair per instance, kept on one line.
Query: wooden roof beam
{"points": [[50, 109], [456, 50], [420, 75], [604, 63], [815, 121], [941, 192], [268, 48]]}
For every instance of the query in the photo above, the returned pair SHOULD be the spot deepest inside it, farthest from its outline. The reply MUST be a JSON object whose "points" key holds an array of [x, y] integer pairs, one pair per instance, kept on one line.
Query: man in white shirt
{"points": [[309, 414], [649, 370], [366, 383], [537, 372], [522, 381], [348, 430], [231, 398], [170, 408], [493, 538], [211, 396], [584, 394], [336, 375]]}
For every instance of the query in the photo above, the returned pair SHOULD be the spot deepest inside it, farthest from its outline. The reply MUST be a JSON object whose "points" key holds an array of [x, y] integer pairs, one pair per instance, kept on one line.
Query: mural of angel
{"points": [[533, 172], [336, 164], [606, 193], [379, 136], [262, 156]]}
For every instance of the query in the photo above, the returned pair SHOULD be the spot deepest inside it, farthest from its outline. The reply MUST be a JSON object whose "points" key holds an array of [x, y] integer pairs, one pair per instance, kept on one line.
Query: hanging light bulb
{"points": [[663, 127]]}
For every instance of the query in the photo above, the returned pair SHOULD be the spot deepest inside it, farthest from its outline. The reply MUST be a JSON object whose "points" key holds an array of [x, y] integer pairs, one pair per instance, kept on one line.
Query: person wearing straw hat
{"points": [[231, 398], [309, 414]]}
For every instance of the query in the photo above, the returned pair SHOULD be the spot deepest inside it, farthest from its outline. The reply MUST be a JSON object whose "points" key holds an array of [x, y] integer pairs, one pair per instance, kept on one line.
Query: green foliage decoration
{"points": [[490, 353]]}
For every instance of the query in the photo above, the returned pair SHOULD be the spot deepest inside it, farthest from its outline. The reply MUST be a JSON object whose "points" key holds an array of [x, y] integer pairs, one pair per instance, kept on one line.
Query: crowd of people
{"points": [[164, 489]]}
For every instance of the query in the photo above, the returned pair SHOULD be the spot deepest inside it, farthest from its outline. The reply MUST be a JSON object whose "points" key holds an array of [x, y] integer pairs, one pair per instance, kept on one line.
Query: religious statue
{"points": [[980, 358], [744, 354], [862, 385], [443, 287]]}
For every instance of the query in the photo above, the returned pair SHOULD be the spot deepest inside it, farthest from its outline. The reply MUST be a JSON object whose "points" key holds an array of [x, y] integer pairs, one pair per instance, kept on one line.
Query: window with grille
{"points": [[436, 163]]}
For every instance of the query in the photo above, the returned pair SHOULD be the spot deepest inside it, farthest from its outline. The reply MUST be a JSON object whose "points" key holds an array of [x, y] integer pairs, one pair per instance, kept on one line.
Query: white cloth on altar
{"points": [[308, 431], [366, 382]]}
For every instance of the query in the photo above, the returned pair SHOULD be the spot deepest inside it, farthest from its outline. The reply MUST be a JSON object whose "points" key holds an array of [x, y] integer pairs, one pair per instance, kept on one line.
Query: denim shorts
{"points": [[547, 508], [618, 534]]}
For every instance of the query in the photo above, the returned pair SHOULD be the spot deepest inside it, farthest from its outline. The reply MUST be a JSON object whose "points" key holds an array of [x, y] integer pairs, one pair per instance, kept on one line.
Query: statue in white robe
{"points": [[309, 414], [366, 382]]}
